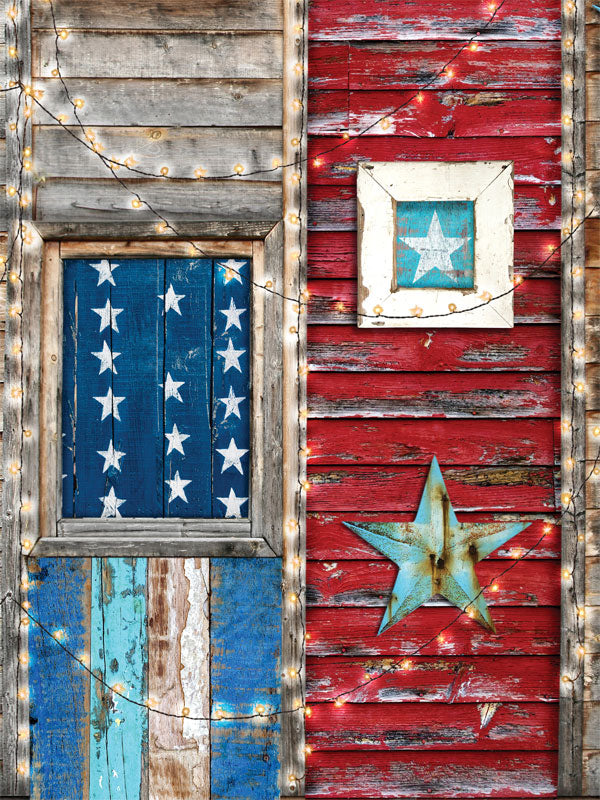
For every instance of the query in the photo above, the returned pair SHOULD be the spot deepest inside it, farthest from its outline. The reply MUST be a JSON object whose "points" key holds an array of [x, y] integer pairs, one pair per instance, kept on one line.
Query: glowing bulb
{"points": [[12, 12], [136, 202], [306, 485], [450, 72], [295, 141], [118, 688], [27, 166], [296, 104], [292, 672], [293, 597], [577, 314], [548, 528], [580, 387], [473, 46], [377, 310], [238, 169], [64, 34], [485, 296], [293, 218], [580, 651], [59, 635], [338, 702], [269, 285], [308, 749], [420, 97], [441, 638], [567, 120], [385, 123], [26, 507], [12, 51], [14, 468], [566, 574], [185, 712], [452, 307], [317, 162], [292, 778], [24, 201], [308, 711], [16, 349], [22, 768], [345, 135], [78, 102], [579, 352], [517, 280], [62, 118], [494, 587], [568, 80], [151, 703], [218, 713], [27, 545], [295, 178], [565, 425], [22, 694], [298, 69], [416, 311], [596, 430], [276, 163], [11, 191], [16, 392], [579, 195], [581, 612], [566, 498], [161, 227], [259, 709], [12, 126], [570, 463], [568, 43]]}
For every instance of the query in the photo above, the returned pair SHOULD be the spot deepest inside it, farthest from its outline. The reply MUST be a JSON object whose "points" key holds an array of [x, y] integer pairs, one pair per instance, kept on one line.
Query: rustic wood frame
{"points": [[490, 185], [261, 533]]}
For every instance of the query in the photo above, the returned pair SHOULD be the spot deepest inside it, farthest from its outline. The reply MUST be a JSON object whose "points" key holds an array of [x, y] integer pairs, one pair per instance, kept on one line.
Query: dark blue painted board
{"points": [[186, 374], [150, 398], [245, 640], [231, 389], [58, 687]]}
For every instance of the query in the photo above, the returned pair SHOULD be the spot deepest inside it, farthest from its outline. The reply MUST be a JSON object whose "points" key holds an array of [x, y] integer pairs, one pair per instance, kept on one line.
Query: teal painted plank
{"points": [[58, 686], [119, 654], [231, 388], [245, 642], [186, 378]]}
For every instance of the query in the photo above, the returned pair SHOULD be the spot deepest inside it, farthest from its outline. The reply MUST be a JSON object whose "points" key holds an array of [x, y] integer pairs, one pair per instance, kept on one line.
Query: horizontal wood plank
{"points": [[345, 348], [361, 584], [400, 441], [378, 488], [97, 200], [333, 208], [170, 15], [432, 20], [449, 679], [432, 726], [332, 254], [180, 150], [159, 547], [140, 54], [536, 300], [536, 159], [433, 395], [236, 103], [328, 539], [353, 632], [440, 775]]}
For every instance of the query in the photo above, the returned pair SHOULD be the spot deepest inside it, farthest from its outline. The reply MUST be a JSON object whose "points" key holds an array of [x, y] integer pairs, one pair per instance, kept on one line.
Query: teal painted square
{"points": [[434, 244]]}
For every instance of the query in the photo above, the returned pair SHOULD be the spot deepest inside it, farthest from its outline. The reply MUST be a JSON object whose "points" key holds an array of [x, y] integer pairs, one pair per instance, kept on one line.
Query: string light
{"points": [[64, 34], [238, 168], [78, 102], [136, 202]]}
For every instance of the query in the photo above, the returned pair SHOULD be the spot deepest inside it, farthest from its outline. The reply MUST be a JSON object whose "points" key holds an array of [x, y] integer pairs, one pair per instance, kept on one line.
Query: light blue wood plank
{"points": [[118, 729], [245, 639], [186, 439], [58, 686], [231, 389]]}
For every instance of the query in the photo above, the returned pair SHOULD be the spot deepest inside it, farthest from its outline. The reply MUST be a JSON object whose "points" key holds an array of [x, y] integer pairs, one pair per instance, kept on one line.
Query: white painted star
{"points": [[232, 504], [110, 405], [111, 504], [231, 356], [232, 456], [108, 316], [171, 300], [106, 358], [232, 403], [111, 457], [105, 270], [177, 485], [175, 440], [435, 249], [172, 388], [233, 268], [233, 315]]}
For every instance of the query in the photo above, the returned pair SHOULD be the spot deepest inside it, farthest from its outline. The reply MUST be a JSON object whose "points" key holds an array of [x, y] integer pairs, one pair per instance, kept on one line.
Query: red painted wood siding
{"points": [[383, 402]]}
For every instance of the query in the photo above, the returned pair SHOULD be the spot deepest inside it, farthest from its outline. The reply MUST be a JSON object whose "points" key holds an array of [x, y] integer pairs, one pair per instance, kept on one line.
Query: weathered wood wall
{"points": [[382, 403]]}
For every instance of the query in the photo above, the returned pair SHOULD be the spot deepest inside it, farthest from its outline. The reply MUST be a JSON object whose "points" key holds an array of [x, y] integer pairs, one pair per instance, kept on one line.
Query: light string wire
{"points": [[22, 237]]}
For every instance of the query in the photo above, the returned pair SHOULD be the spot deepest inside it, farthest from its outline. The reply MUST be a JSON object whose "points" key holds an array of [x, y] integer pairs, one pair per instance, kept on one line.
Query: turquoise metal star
{"points": [[436, 554]]}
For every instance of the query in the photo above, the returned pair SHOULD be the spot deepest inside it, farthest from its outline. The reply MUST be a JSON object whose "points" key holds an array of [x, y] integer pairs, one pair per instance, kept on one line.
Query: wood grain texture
{"points": [[140, 54], [482, 442], [59, 687], [379, 775], [179, 677], [433, 395], [235, 102], [433, 727], [527, 348], [158, 547], [181, 150], [435, 679]]}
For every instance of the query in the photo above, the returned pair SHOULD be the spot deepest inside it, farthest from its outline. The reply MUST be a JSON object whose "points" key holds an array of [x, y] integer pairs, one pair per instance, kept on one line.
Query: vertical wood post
{"points": [[573, 470], [294, 398]]}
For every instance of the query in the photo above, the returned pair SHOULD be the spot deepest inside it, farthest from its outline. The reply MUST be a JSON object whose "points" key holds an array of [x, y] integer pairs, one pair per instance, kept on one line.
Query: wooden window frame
{"points": [[258, 535]]}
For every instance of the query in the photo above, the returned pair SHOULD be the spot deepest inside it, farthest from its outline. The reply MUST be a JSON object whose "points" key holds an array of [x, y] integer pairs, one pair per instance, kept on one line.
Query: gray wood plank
{"points": [[237, 102], [203, 229], [93, 201], [138, 54], [159, 547], [181, 150], [572, 408], [156, 528], [168, 15]]}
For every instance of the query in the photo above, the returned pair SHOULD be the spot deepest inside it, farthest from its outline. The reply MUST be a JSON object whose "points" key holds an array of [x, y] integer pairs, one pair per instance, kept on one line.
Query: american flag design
{"points": [[156, 388]]}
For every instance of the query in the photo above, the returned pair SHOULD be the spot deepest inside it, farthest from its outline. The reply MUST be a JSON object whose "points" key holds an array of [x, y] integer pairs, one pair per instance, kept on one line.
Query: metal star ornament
{"points": [[436, 554]]}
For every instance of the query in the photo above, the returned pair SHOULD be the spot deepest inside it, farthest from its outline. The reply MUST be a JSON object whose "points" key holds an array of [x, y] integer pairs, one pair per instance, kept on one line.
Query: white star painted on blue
{"points": [[232, 457], [234, 267], [175, 440], [172, 388], [105, 270], [110, 405], [108, 316], [171, 300], [111, 504], [233, 315], [233, 504], [106, 358], [231, 356], [177, 486], [232, 403], [111, 457]]}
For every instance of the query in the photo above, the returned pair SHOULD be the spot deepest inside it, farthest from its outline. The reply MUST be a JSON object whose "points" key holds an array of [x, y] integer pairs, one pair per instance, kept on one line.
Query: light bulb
{"points": [[238, 168], [136, 203], [164, 171], [416, 311], [78, 102], [64, 34]]}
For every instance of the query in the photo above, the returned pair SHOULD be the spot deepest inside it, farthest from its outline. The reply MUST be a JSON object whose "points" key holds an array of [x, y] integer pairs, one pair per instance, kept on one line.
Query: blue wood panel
{"points": [[245, 640], [435, 244], [69, 405], [58, 686], [186, 440], [231, 389], [119, 654]]}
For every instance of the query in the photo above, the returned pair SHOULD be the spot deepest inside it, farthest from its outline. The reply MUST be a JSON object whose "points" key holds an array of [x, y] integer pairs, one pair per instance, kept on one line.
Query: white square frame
{"points": [[380, 303]]}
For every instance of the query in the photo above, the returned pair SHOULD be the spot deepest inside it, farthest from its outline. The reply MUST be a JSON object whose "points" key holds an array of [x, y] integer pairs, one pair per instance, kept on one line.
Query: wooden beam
{"points": [[572, 401], [158, 247], [158, 547], [199, 229]]}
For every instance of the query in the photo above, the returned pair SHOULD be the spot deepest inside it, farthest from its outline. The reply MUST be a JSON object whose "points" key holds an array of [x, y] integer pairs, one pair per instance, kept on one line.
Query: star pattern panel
{"points": [[156, 388]]}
